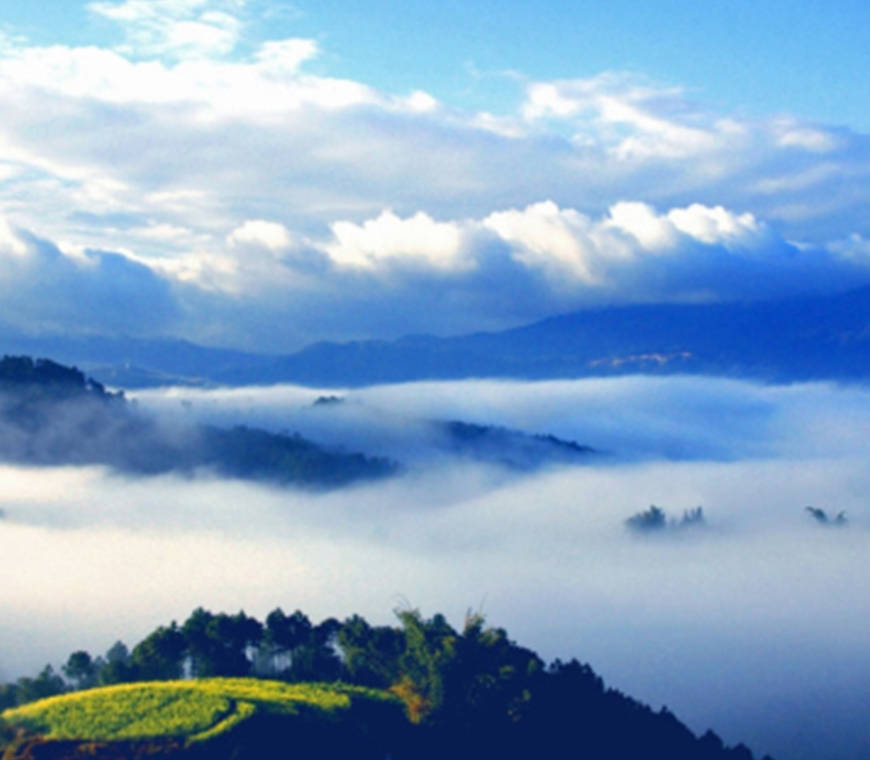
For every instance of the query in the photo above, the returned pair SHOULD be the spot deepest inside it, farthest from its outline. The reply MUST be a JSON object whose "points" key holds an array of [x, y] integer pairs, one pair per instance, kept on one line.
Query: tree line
{"points": [[469, 692]]}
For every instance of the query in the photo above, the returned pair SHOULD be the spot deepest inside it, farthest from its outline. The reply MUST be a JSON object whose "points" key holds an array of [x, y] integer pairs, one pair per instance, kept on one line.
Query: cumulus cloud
{"points": [[258, 232], [636, 253], [390, 275], [561, 242], [267, 194], [389, 239], [78, 290]]}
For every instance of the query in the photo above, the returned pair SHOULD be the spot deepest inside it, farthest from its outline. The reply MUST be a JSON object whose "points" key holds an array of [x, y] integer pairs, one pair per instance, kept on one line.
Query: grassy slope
{"points": [[194, 711]]}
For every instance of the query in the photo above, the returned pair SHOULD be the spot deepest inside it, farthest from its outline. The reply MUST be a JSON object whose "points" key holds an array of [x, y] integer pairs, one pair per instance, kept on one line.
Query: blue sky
{"points": [[249, 172], [808, 59]]}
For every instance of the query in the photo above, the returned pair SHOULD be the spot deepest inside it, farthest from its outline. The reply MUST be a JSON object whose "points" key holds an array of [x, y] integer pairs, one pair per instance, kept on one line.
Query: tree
{"points": [[81, 670], [160, 655], [430, 649], [8, 695], [218, 645], [46, 684], [116, 666], [370, 654], [316, 658], [651, 519]]}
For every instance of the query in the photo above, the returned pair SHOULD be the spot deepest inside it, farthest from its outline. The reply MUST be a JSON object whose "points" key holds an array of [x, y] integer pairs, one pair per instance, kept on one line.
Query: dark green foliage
{"points": [[81, 670], [8, 695], [160, 655], [285, 633], [316, 659], [467, 694], [46, 684], [292, 647], [116, 667], [371, 654], [217, 645]]}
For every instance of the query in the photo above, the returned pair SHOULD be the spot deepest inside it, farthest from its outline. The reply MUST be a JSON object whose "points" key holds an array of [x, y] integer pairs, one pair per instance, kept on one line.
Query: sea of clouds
{"points": [[753, 624]]}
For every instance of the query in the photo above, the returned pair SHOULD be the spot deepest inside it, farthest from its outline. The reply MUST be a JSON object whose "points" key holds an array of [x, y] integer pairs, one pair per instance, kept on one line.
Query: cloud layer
{"points": [[762, 602], [262, 191]]}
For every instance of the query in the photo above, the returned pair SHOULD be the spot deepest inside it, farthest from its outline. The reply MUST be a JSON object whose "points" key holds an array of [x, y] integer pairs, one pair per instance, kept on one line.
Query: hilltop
{"points": [[420, 691]]}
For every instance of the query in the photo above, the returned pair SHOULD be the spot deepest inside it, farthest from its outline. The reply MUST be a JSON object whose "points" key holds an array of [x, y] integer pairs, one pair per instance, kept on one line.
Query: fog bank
{"points": [[753, 624]]}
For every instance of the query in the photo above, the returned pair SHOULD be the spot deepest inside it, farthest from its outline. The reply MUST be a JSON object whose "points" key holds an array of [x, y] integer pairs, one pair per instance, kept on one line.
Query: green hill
{"points": [[421, 691]]}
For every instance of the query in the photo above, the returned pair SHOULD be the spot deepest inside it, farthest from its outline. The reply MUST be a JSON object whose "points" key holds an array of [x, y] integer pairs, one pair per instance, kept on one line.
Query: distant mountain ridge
{"points": [[799, 338], [804, 338]]}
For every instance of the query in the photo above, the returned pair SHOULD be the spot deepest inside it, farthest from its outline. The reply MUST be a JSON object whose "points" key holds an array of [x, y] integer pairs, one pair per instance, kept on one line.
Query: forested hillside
{"points": [[464, 694], [54, 415]]}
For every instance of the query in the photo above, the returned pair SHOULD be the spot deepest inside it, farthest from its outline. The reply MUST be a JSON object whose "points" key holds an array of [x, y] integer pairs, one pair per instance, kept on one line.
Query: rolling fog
{"points": [[753, 624]]}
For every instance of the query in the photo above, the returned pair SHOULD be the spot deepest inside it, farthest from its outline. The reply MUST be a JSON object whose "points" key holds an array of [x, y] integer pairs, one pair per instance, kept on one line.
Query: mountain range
{"points": [[794, 339]]}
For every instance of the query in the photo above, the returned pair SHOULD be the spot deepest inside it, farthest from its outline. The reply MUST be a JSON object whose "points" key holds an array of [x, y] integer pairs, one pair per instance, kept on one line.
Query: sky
{"points": [[264, 174]]}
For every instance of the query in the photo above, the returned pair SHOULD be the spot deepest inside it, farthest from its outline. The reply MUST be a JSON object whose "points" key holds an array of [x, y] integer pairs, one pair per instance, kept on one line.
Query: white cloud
{"points": [[718, 225], [544, 99], [259, 232], [640, 220], [567, 244], [422, 101], [333, 149], [560, 242], [389, 275], [143, 10], [418, 239], [176, 28], [268, 84], [634, 121], [285, 56], [606, 189], [793, 134]]}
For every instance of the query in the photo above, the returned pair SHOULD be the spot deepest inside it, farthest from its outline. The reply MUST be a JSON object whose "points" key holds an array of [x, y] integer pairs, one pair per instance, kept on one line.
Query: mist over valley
{"points": [[761, 599]]}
